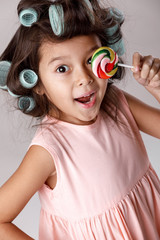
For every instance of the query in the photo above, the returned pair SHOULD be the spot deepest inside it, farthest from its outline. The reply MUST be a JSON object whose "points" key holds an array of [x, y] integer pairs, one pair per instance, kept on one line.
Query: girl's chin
{"points": [[80, 121], [82, 118], [88, 120]]}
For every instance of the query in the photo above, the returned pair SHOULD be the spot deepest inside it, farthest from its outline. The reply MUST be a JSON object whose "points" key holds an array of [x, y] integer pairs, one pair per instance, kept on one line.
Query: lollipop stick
{"points": [[125, 65]]}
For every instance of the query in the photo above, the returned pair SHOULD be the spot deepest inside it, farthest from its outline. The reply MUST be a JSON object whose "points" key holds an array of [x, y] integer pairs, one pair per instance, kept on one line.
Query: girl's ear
{"points": [[39, 89]]}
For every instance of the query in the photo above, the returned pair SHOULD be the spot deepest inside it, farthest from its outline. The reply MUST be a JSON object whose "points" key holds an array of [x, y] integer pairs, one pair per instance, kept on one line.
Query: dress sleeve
{"points": [[125, 115], [43, 138]]}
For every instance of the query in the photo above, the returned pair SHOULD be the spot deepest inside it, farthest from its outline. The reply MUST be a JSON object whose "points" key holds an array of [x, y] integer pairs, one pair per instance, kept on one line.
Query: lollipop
{"points": [[105, 63]]}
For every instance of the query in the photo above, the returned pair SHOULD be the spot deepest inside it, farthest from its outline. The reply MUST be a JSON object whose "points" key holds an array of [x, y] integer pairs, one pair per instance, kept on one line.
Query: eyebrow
{"points": [[56, 59], [94, 48], [63, 57]]}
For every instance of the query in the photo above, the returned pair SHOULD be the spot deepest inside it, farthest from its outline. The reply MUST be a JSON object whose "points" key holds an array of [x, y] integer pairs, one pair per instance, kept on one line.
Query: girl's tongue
{"points": [[84, 99]]}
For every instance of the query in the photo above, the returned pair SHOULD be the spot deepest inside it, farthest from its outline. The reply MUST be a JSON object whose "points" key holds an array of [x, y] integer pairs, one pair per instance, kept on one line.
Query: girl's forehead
{"points": [[86, 42]]}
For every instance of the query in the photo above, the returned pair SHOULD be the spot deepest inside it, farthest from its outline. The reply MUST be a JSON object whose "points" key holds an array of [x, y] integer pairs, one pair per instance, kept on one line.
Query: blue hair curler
{"points": [[56, 17], [28, 78], [118, 47], [116, 14], [28, 17], [91, 15], [12, 94], [26, 103], [112, 30], [4, 69]]}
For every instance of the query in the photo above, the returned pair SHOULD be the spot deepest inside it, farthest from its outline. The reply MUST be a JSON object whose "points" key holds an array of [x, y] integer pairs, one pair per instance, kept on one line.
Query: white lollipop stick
{"points": [[125, 65]]}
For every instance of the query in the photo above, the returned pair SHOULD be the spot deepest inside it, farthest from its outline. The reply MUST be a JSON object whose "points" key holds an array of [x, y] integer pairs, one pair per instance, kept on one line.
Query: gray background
{"points": [[141, 33]]}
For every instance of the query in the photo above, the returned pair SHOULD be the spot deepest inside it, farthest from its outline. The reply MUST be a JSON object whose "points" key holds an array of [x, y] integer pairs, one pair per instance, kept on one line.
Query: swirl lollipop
{"points": [[105, 63]]}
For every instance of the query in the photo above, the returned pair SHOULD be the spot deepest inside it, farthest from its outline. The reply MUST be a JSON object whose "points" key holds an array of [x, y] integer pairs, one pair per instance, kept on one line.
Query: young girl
{"points": [[87, 159]]}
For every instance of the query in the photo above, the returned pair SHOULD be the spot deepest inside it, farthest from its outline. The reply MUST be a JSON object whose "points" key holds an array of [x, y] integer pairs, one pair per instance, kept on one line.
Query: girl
{"points": [[87, 159]]}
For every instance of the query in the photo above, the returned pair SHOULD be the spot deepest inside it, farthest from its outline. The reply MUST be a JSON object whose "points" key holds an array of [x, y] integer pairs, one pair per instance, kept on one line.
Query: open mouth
{"points": [[85, 99]]}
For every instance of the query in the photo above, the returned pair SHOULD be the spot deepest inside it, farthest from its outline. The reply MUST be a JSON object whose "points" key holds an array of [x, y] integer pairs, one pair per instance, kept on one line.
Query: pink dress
{"points": [[106, 187]]}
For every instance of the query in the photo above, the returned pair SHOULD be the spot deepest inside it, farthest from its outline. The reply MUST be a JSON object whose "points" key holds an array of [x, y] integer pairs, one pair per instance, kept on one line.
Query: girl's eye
{"points": [[89, 60], [62, 69]]}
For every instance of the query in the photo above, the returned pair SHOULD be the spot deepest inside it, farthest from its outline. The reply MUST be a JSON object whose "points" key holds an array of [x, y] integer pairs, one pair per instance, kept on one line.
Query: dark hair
{"points": [[23, 50]]}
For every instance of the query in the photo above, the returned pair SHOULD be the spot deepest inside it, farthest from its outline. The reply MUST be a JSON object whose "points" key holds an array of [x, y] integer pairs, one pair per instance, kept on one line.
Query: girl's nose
{"points": [[84, 78]]}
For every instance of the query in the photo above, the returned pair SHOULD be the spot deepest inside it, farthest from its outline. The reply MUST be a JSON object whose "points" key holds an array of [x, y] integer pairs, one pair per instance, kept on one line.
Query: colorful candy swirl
{"points": [[104, 62]]}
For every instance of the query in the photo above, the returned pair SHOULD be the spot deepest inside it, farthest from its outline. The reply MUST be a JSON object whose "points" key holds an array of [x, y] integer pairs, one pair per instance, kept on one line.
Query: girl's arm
{"points": [[147, 73], [146, 117], [35, 168]]}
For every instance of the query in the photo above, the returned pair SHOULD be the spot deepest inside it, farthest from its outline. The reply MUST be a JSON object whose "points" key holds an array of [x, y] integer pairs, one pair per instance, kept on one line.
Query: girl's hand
{"points": [[147, 72]]}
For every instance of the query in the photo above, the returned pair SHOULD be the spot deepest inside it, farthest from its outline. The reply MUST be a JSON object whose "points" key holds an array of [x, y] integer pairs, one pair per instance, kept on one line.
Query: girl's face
{"points": [[68, 81]]}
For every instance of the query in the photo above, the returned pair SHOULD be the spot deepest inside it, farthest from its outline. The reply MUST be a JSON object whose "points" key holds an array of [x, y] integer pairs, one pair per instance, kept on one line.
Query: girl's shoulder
{"points": [[146, 116], [119, 95], [115, 103]]}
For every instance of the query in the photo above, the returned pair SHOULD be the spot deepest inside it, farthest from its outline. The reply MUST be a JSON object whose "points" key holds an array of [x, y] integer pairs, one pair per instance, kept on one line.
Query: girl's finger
{"points": [[147, 63], [137, 59], [136, 62], [155, 68], [155, 82]]}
